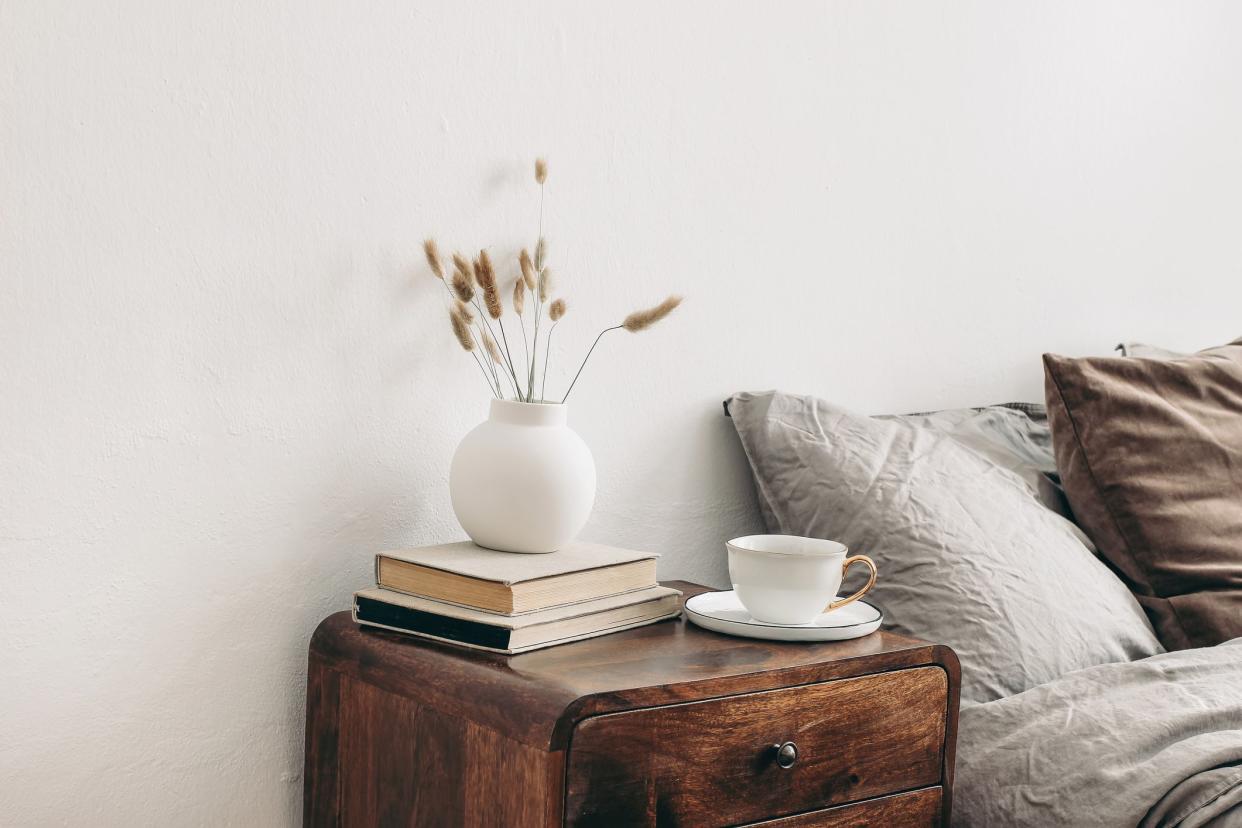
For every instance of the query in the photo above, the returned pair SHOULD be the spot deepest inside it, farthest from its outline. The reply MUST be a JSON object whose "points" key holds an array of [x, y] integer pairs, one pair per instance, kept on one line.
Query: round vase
{"points": [[522, 481]]}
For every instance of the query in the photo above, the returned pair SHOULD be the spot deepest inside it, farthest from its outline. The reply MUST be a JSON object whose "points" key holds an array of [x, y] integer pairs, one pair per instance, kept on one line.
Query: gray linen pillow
{"points": [[967, 554], [1014, 436]]}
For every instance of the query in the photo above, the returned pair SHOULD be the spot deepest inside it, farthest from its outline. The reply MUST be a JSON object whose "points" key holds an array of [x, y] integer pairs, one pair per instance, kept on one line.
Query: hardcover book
{"points": [[502, 582], [516, 633]]}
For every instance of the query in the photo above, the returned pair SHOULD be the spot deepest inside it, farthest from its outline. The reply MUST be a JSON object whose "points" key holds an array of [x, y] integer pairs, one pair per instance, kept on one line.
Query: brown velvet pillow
{"points": [[1150, 454]]}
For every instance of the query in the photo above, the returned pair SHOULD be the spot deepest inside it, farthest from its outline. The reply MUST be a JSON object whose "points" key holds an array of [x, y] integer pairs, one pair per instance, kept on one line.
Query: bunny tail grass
{"points": [[462, 265], [528, 269], [432, 251], [485, 275], [519, 296], [545, 284], [461, 329], [643, 319], [462, 287]]}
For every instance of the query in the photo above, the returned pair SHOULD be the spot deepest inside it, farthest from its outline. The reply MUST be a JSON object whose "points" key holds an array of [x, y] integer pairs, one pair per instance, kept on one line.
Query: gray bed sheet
{"points": [[1154, 742]]}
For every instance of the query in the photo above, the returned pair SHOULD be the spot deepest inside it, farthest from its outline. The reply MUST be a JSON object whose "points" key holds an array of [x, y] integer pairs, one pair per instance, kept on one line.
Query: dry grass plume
{"points": [[476, 302], [485, 275], [462, 285], [432, 252], [462, 265], [519, 296], [642, 319], [528, 269], [461, 328], [493, 350]]}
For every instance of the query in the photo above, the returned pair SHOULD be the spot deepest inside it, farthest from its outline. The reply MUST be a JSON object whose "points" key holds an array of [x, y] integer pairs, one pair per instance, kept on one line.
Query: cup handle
{"points": [[862, 559]]}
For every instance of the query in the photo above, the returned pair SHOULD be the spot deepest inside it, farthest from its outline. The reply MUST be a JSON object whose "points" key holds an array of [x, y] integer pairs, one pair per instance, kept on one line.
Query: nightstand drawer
{"points": [[922, 807], [716, 762]]}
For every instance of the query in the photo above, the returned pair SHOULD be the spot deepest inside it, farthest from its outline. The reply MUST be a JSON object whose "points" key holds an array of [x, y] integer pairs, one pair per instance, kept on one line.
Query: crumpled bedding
{"points": [[1154, 742], [968, 555]]}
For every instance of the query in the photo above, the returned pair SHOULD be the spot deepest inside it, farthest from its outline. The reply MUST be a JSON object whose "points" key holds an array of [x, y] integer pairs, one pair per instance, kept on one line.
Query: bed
{"points": [[1098, 688]]}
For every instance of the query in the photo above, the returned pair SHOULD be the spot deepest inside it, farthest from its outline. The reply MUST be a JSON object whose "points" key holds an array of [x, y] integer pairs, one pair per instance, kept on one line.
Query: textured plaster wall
{"points": [[225, 378]]}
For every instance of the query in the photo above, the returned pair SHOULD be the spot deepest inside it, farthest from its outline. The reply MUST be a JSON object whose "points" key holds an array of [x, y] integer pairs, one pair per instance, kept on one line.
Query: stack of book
{"points": [[508, 603]]}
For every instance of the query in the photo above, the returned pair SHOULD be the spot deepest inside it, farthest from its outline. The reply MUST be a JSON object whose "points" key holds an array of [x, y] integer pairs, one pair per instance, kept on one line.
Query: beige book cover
{"points": [[471, 561], [507, 583]]}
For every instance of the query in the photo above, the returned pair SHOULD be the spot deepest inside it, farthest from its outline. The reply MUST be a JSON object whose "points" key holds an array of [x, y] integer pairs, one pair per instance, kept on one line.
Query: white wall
{"points": [[225, 379]]}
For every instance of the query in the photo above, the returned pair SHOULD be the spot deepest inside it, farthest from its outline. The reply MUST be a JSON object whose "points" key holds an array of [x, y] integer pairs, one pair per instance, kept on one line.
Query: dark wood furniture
{"points": [[663, 725]]}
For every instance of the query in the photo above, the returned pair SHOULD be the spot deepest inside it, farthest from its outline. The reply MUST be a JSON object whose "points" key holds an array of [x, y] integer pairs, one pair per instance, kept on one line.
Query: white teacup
{"points": [[784, 579]]}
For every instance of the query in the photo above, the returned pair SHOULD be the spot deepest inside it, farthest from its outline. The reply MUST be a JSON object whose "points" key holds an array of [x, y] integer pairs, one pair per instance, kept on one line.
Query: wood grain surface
{"points": [[714, 762], [396, 762], [537, 697], [676, 722], [922, 808]]}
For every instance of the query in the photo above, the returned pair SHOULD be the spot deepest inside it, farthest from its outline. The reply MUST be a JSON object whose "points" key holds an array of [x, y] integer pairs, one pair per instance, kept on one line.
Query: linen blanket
{"points": [[1155, 742]]}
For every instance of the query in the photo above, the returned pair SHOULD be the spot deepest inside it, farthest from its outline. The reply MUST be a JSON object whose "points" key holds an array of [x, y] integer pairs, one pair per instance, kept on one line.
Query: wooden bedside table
{"points": [[662, 725]]}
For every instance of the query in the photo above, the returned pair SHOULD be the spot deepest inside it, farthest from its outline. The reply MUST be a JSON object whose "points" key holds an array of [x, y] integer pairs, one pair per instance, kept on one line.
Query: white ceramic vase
{"points": [[522, 481]]}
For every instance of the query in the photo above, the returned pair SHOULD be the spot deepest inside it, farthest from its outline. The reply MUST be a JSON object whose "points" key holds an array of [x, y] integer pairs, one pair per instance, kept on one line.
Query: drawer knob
{"points": [[786, 754]]}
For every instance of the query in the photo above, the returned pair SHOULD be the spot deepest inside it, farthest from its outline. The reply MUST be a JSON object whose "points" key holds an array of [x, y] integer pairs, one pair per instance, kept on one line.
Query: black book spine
{"points": [[441, 626]]}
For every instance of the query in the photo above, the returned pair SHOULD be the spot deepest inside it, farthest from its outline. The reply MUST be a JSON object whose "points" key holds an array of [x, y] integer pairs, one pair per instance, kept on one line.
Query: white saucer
{"points": [[722, 612]]}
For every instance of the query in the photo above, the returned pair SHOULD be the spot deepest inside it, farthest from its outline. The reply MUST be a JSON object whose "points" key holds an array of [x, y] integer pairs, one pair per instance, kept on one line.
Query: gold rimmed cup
{"points": [[786, 579]]}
